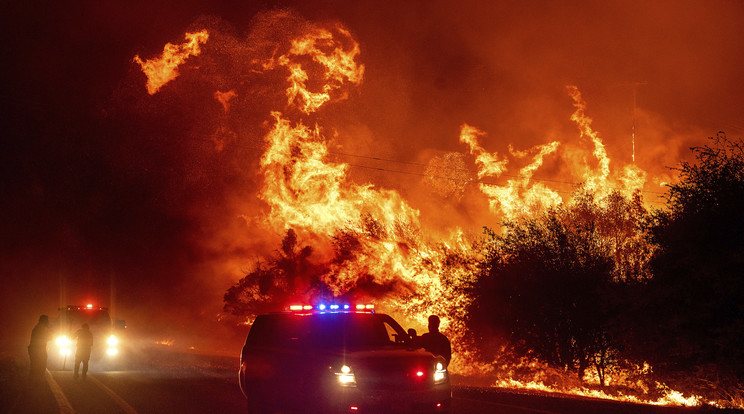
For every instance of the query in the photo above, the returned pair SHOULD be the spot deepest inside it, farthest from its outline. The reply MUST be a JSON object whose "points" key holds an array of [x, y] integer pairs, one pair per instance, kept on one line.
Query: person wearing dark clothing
{"points": [[434, 341], [37, 349], [82, 353]]}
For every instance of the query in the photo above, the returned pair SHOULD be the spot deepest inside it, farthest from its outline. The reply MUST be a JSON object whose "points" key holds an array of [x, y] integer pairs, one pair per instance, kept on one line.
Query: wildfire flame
{"points": [[307, 192], [164, 69], [598, 179], [516, 197], [338, 63], [521, 195]]}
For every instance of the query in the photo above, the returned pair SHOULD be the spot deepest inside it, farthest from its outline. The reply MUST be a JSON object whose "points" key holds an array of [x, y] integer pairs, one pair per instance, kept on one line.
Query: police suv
{"points": [[339, 358]]}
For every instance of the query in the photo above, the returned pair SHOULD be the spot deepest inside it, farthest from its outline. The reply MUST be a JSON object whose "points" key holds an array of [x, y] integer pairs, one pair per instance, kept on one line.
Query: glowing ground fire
{"points": [[312, 195]]}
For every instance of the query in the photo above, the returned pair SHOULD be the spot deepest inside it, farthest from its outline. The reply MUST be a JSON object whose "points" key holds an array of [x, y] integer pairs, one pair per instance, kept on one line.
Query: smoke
{"points": [[155, 197]]}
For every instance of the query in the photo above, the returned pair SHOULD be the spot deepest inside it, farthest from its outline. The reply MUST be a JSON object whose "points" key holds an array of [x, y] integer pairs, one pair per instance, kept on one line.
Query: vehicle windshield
{"points": [[326, 331]]}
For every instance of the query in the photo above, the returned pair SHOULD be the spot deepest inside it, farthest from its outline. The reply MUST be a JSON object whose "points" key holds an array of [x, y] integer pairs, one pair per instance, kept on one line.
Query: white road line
{"points": [[118, 400], [516, 407], [62, 403]]}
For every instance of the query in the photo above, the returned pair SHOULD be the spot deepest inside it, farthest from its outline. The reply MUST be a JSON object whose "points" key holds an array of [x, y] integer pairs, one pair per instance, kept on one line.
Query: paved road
{"points": [[184, 384]]}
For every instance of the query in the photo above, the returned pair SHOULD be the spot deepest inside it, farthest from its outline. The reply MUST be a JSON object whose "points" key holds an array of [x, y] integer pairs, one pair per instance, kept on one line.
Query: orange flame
{"points": [[337, 62], [598, 179], [516, 197], [521, 195], [489, 164], [164, 69], [306, 192], [594, 179]]}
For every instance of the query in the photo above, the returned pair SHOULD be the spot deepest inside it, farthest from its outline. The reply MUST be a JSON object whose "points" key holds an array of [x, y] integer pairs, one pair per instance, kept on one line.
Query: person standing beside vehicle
{"points": [[37, 348], [435, 341], [82, 352]]}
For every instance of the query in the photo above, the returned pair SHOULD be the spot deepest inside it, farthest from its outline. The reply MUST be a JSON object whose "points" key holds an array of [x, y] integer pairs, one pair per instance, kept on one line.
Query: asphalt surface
{"points": [[167, 382]]}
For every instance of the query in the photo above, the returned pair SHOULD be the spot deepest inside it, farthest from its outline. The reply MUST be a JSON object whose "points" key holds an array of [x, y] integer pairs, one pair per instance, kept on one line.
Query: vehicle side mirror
{"points": [[120, 324], [413, 337]]}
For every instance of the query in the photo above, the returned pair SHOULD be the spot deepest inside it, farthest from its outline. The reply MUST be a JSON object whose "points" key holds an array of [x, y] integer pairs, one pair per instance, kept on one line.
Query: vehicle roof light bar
{"points": [[333, 307]]}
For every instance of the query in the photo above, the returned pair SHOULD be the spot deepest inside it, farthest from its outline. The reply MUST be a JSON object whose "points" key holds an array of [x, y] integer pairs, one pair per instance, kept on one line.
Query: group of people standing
{"points": [[37, 348]]}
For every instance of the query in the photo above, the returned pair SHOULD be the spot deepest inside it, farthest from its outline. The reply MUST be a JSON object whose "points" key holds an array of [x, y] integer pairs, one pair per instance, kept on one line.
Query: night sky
{"points": [[148, 203]]}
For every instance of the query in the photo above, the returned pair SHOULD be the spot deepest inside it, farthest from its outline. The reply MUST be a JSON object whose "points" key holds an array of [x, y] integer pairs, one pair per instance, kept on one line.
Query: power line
{"points": [[473, 181], [575, 184], [470, 172]]}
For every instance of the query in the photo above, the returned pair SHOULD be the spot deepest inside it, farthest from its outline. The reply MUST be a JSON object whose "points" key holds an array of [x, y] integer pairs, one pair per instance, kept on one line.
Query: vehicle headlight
{"points": [[63, 343], [113, 345], [346, 377], [440, 373]]}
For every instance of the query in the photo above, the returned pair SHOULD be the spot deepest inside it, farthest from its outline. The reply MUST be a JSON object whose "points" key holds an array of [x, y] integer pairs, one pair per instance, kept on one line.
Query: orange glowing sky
{"points": [[158, 194]]}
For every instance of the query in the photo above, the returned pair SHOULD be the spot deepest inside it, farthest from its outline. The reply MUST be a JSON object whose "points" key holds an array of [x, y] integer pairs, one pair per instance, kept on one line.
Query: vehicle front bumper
{"points": [[356, 400]]}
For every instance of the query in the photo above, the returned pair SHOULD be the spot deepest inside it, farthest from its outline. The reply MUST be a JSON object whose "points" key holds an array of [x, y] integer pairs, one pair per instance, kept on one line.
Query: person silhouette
{"points": [[82, 352], [435, 341], [37, 348]]}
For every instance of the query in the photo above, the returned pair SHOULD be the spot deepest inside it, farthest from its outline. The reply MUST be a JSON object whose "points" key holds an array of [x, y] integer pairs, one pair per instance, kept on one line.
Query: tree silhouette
{"points": [[696, 293], [290, 276]]}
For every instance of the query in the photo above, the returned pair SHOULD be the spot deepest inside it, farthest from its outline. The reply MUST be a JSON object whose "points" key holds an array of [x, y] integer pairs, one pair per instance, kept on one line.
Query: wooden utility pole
{"points": [[635, 86]]}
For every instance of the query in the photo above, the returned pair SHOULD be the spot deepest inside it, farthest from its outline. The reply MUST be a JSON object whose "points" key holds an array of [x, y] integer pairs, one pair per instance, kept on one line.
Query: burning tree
{"points": [[290, 275], [549, 285]]}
